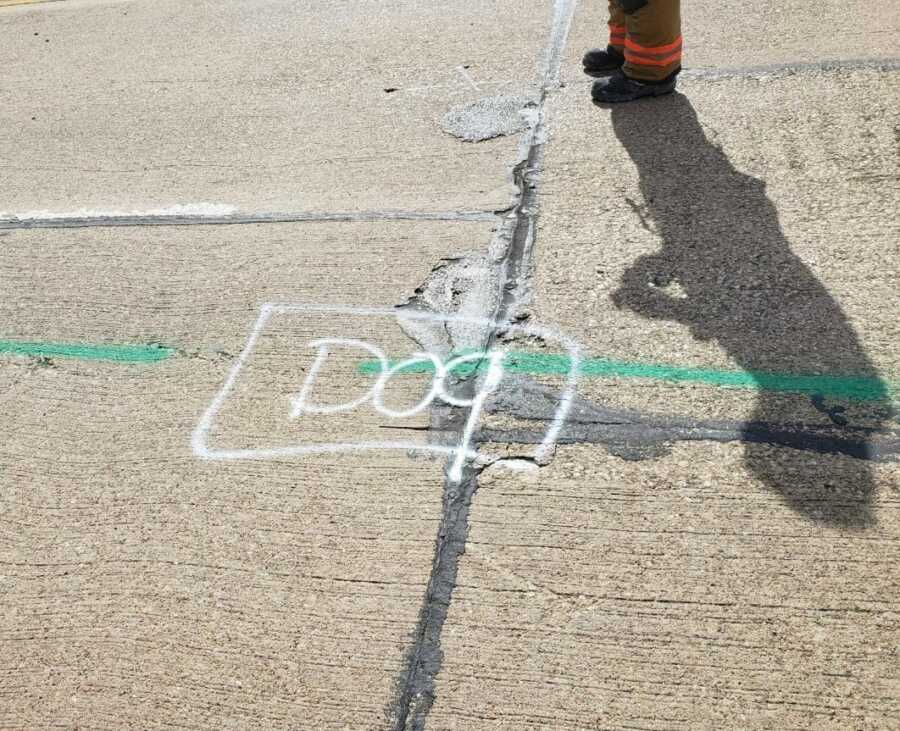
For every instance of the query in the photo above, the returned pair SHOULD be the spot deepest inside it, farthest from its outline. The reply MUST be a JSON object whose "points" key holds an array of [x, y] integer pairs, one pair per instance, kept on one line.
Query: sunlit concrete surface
{"points": [[321, 415]]}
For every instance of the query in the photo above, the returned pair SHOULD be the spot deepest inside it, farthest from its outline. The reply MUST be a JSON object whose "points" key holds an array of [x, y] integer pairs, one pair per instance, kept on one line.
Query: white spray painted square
{"points": [[298, 379]]}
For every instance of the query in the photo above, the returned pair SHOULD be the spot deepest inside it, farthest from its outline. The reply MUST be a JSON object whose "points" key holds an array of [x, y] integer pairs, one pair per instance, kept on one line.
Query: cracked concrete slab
{"points": [[616, 589], [301, 110], [680, 594], [671, 585], [144, 586]]}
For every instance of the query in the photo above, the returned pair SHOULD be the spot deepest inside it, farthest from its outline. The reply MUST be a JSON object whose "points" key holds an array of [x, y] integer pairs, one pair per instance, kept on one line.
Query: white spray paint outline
{"points": [[299, 404]]}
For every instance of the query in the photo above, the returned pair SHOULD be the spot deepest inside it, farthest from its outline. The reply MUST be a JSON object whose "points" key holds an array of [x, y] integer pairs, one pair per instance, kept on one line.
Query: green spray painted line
{"points": [[117, 353], [850, 388]]}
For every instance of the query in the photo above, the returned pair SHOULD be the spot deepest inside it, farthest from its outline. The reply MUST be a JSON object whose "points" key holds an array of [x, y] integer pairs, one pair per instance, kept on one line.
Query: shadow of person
{"points": [[727, 272]]}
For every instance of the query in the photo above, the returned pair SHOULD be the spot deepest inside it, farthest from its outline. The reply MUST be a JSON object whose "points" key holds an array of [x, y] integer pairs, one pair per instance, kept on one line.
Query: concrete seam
{"points": [[241, 219], [644, 433], [780, 70], [789, 69], [424, 660]]}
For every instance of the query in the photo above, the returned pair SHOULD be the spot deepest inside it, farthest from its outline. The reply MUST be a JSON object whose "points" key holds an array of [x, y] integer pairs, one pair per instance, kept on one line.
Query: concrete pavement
{"points": [[321, 417]]}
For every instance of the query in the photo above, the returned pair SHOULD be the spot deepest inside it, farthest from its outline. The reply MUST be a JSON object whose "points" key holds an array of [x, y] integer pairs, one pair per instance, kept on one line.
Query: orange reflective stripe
{"points": [[644, 61], [653, 50], [655, 57], [651, 56], [617, 34]]}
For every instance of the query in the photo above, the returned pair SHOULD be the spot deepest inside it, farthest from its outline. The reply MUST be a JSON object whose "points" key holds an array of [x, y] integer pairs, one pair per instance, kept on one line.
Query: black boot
{"points": [[620, 88], [602, 61]]}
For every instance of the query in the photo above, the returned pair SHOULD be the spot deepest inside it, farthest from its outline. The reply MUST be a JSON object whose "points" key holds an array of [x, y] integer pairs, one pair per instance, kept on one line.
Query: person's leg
{"points": [[652, 52], [653, 39], [617, 27], [600, 61]]}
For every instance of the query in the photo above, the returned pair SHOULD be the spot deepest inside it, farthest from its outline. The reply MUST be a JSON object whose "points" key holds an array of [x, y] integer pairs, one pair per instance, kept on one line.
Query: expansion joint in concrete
{"points": [[140, 220], [882, 65], [424, 660], [511, 248]]}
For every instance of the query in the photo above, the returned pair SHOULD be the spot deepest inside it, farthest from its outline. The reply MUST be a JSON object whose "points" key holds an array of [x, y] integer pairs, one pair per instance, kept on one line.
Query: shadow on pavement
{"points": [[727, 272]]}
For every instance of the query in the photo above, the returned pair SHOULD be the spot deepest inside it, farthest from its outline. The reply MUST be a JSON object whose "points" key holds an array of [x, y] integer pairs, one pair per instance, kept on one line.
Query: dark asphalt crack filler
{"points": [[416, 693]]}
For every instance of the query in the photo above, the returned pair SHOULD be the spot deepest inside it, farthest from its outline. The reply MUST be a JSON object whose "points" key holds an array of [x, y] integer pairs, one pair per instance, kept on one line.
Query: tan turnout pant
{"points": [[648, 34]]}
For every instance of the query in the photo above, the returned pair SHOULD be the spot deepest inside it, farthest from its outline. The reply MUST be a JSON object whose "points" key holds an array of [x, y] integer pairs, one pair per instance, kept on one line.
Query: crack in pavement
{"points": [[789, 69], [502, 293], [634, 435], [63, 221], [778, 70]]}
